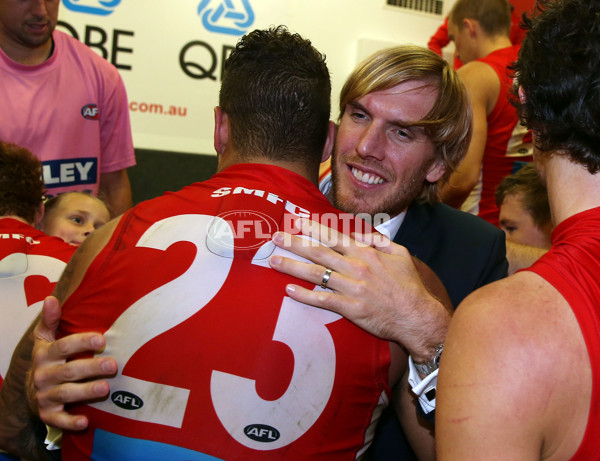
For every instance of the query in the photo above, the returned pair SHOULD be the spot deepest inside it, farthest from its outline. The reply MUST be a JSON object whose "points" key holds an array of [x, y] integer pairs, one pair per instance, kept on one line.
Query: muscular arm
{"points": [[483, 87], [115, 190], [505, 386]]}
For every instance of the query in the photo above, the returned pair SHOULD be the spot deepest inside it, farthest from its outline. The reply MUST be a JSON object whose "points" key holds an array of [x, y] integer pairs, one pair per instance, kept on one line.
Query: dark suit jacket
{"points": [[466, 253]]}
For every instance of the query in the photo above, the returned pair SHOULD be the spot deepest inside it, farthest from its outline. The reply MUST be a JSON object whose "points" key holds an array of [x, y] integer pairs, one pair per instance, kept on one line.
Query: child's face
{"points": [[74, 217], [519, 226]]}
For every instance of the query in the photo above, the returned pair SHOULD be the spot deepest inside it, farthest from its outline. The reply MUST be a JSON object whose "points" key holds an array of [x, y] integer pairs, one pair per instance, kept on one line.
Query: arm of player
{"points": [[479, 80], [521, 256], [439, 39], [53, 381], [115, 190], [505, 386]]}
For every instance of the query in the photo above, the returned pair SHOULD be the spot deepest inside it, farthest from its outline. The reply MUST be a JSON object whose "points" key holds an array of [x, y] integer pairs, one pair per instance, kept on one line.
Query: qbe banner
{"points": [[171, 53]]}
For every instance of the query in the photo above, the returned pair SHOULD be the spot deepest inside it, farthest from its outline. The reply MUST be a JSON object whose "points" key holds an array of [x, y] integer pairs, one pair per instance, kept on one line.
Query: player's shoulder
{"points": [[509, 303]]}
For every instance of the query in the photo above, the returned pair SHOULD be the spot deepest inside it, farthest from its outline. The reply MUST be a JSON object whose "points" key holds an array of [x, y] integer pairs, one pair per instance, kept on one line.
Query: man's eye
{"points": [[77, 219], [358, 115], [403, 134]]}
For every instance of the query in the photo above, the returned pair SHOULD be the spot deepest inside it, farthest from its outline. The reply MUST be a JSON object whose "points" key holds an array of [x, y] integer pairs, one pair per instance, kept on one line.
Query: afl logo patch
{"points": [[126, 400], [90, 111], [261, 433]]}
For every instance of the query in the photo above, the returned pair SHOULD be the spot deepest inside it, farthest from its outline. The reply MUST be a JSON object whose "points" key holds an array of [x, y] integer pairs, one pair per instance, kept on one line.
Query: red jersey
{"points": [[215, 361], [572, 266], [508, 142], [31, 263]]}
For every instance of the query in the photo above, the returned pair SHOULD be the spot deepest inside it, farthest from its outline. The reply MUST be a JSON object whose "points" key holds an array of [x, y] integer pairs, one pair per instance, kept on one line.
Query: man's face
{"points": [[28, 23], [380, 164], [518, 224]]}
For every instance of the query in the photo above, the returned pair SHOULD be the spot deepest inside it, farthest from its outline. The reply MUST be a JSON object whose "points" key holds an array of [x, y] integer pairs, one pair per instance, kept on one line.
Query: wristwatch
{"points": [[426, 369]]}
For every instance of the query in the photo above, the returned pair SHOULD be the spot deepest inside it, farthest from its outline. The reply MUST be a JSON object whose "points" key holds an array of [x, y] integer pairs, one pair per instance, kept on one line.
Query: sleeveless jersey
{"points": [[30, 265], [508, 143], [71, 112], [572, 266], [215, 361]]}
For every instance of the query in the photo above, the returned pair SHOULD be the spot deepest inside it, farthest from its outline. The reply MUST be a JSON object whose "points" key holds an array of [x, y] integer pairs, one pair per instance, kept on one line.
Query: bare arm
{"points": [[54, 382], [521, 256], [483, 87], [115, 190], [505, 387]]}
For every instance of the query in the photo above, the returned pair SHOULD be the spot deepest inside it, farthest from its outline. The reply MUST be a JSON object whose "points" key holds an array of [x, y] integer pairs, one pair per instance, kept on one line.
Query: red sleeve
{"points": [[440, 39]]}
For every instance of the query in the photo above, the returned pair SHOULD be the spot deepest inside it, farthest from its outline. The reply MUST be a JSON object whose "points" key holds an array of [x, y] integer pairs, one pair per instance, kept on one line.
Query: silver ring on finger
{"points": [[326, 277]]}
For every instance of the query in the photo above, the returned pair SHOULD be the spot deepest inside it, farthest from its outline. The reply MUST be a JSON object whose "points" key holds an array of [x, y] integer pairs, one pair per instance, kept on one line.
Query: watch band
{"points": [[425, 369]]}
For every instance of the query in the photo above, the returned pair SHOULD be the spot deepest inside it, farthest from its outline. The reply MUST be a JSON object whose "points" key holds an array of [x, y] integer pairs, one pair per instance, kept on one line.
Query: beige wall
{"points": [[149, 35]]}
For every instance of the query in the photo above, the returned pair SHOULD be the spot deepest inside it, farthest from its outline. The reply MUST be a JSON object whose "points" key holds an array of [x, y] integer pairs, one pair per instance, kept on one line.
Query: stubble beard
{"points": [[392, 204]]}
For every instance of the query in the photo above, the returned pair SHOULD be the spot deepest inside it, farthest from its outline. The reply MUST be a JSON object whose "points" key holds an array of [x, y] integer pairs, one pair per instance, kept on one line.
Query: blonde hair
{"points": [[449, 122]]}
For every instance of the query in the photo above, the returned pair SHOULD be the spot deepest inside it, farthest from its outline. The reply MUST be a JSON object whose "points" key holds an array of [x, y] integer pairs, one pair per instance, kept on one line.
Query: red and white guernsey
{"points": [[508, 145], [215, 361], [30, 265]]}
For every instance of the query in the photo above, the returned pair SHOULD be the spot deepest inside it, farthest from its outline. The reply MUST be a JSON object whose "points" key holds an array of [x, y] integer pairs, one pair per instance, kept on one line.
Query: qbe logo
{"points": [[233, 17], [98, 7]]}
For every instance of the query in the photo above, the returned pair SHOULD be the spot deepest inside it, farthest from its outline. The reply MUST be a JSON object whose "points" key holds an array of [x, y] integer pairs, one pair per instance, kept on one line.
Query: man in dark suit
{"points": [[405, 124]]}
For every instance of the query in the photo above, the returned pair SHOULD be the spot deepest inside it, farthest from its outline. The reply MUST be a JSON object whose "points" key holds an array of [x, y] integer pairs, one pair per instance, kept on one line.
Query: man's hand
{"points": [[53, 381], [375, 284]]}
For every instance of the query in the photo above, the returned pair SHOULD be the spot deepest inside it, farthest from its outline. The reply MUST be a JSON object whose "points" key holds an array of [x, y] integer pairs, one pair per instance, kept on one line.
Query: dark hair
{"points": [[276, 92], [492, 15], [534, 196], [559, 72], [21, 185]]}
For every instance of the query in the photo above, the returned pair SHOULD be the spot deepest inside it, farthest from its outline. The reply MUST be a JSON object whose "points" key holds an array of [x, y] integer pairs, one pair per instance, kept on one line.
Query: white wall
{"points": [[151, 35]]}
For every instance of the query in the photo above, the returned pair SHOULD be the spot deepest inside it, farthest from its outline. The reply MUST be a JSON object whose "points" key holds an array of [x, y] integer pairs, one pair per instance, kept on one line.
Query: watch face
{"points": [[429, 367]]}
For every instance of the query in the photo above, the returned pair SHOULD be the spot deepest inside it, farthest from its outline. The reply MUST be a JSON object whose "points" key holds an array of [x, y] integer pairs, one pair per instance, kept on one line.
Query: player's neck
{"points": [[491, 44], [312, 174], [571, 188]]}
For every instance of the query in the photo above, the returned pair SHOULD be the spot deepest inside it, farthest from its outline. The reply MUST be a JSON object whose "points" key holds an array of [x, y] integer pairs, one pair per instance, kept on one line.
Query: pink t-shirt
{"points": [[71, 111]]}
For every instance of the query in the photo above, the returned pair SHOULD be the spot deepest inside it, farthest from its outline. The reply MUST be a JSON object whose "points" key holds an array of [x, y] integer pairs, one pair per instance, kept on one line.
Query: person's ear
{"points": [[329, 142], [221, 137], [522, 97], [471, 26], [436, 171]]}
